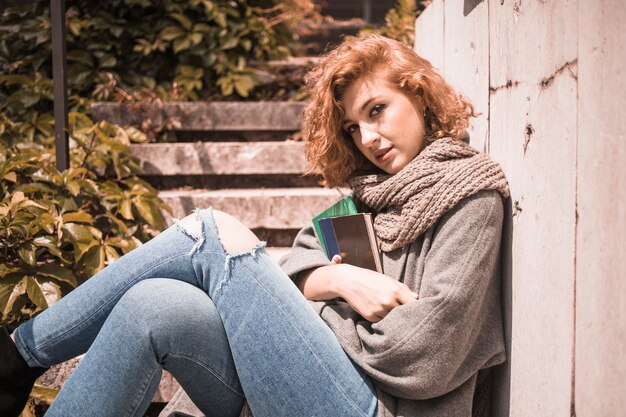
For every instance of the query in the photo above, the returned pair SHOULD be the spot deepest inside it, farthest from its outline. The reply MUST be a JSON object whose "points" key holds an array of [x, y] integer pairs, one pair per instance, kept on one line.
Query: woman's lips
{"points": [[383, 154]]}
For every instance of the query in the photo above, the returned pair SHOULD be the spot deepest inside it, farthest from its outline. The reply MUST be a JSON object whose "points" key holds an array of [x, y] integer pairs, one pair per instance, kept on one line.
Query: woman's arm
{"points": [[369, 293]]}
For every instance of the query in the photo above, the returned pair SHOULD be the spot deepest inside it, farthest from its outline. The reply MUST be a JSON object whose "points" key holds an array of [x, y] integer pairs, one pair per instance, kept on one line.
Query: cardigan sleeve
{"points": [[305, 254], [431, 346]]}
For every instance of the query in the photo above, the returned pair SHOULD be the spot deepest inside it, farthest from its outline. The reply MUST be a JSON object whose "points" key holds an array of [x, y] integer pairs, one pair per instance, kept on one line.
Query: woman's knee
{"points": [[234, 235], [172, 318], [166, 305]]}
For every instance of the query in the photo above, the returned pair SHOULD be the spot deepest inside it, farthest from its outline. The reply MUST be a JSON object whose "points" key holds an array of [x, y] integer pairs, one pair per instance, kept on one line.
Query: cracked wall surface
{"points": [[548, 79]]}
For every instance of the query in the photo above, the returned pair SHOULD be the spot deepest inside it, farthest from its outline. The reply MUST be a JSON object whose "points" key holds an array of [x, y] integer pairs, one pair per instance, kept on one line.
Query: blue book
{"points": [[343, 207], [328, 236]]}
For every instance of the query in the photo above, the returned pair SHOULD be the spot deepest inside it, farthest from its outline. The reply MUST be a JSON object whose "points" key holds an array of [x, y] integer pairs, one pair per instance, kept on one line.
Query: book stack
{"points": [[343, 231]]}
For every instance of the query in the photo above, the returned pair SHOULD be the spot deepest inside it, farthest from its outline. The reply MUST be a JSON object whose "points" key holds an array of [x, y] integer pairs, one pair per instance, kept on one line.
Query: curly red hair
{"points": [[329, 150]]}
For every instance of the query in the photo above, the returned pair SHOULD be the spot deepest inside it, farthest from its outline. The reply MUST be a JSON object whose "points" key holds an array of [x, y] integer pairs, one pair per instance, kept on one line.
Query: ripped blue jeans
{"points": [[226, 326]]}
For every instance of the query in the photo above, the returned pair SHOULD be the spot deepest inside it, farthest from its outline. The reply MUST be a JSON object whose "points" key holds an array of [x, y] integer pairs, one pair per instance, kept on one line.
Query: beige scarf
{"points": [[411, 201]]}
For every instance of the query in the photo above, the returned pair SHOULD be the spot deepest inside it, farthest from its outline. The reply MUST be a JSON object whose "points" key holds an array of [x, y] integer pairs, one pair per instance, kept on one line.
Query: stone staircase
{"points": [[232, 156]]}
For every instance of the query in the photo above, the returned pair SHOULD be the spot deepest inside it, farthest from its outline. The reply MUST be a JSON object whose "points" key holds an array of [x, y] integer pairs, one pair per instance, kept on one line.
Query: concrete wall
{"points": [[549, 79]]}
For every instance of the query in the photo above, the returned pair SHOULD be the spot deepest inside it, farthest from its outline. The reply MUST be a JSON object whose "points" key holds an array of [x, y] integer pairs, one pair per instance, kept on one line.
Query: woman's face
{"points": [[386, 125]]}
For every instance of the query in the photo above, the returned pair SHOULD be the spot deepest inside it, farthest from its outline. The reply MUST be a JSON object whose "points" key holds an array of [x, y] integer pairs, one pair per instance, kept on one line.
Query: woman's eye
{"points": [[377, 109]]}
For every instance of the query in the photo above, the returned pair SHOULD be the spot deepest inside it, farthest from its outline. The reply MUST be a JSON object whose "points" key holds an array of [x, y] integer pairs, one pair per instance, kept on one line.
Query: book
{"points": [[343, 207], [353, 238]]}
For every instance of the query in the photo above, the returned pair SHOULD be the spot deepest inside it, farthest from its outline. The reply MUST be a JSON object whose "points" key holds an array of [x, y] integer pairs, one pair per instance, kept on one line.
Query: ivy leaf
{"points": [[220, 18], [35, 293], [13, 79], [126, 245], [111, 254], [181, 44], [182, 19], [195, 38], [201, 28], [116, 31], [229, 43], [243, 85], [6, 271], [81, 238], [136, 135], [51, 244], [246, 44], [57, 272], [77, 217], [73, 187], [80, 56], [28, 255], [94, 260], [24, 97], [9, 292], [67, 203], [226, 85], [148, 211], [44, 394], [126, 209], [75, 27], [35, 187], [51, 291], [47, 223], [172, 32], [107, 61]]}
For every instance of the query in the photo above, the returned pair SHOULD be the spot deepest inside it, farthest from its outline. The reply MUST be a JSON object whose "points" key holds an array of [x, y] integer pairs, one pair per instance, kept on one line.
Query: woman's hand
{"points": [[369, 293]]}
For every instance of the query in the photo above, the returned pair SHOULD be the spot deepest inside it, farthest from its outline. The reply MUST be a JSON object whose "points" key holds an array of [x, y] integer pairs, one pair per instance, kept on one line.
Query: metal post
{"points": [[367, 11], [57, 16]]}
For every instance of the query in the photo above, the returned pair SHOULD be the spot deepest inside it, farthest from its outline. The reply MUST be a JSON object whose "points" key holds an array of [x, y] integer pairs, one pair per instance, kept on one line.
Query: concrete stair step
{"points": [[275, 208], [277, 252], [294, 61], [203, 116], [322, 37], [222, 181], [347, 9], [221, 158]]}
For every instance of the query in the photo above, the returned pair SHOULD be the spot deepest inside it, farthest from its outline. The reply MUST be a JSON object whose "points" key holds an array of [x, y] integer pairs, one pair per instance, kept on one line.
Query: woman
{"points": [[204, 301]]}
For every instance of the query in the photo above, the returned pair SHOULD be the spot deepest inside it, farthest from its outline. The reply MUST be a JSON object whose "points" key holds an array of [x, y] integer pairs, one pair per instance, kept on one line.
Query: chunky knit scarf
{"points": [[411, 201]]}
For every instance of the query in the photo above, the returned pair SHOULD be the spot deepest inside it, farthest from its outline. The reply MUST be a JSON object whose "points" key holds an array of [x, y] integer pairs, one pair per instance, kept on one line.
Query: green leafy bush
{"points": [[57, 229], [400, 21], [193, 48]]}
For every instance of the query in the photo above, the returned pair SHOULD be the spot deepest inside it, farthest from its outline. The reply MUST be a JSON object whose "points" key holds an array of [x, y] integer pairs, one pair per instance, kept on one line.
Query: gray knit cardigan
{"points": [[425, 358]]}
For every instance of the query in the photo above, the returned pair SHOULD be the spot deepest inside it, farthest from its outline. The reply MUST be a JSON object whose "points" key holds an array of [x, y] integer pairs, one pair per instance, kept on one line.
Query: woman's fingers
{"points": [[336, 259], [382, 306], [407, 296], [369, 293]]}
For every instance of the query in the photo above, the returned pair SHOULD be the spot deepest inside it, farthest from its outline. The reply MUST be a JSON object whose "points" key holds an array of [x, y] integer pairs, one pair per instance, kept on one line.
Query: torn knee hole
{"points": [[193, 225], [236, 238]]}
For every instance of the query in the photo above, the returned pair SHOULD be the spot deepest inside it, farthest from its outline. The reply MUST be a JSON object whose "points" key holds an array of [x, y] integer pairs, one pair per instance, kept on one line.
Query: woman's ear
{"points": [[422, 107]]}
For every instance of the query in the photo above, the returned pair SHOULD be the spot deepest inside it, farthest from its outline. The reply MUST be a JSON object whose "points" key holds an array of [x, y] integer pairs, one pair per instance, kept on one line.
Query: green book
{"points": [[343, 207]]}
